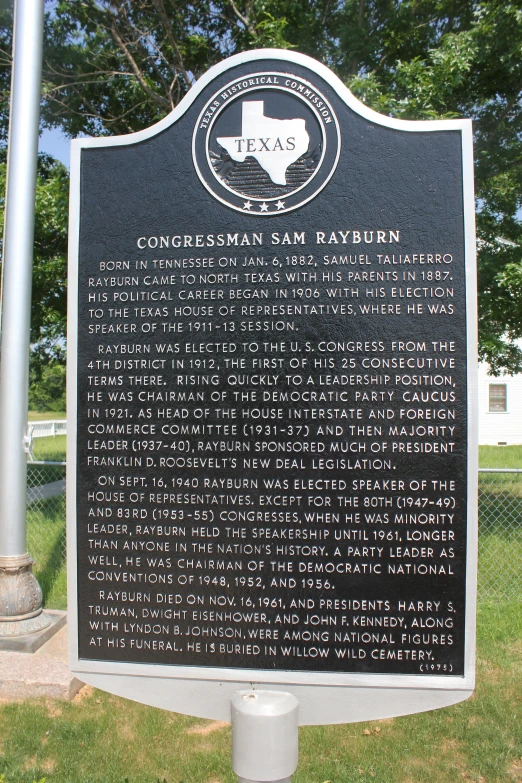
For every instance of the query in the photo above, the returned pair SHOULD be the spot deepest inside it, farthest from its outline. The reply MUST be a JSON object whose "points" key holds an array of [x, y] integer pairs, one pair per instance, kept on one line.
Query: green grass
{"points": [[105, 739], [46, 543], [46, 534], [50, 449], [500, 456], [46, 416], [500, 527]]}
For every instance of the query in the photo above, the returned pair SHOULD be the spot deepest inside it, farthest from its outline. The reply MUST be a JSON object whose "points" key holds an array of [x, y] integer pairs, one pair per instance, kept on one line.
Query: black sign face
{"points": [[272, 389]]}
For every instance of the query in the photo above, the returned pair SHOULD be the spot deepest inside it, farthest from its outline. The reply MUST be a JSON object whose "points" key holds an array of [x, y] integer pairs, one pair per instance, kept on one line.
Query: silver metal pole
{"points": [[264, 736], [23, 602]]}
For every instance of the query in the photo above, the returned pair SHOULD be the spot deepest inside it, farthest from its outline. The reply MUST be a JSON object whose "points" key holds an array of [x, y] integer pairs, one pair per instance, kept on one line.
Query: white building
{"points": [[500, 408]]}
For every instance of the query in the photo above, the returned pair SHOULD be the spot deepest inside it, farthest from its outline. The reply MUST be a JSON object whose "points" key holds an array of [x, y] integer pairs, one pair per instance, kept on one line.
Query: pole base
{"points": [[20, 598], [264, 736], [31, 642], [245, 780]]}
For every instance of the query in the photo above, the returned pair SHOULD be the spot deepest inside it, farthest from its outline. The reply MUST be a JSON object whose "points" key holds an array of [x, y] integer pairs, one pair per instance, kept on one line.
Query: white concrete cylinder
{"points": [[264, 735]]}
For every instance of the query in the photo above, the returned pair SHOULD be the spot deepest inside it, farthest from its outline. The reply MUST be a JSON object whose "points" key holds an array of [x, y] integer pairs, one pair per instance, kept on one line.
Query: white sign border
{"points": [[332, 697]]}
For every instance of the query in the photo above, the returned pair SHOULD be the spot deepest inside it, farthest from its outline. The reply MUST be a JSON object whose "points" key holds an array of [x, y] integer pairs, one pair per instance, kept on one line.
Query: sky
{"points": [[56, 144]]}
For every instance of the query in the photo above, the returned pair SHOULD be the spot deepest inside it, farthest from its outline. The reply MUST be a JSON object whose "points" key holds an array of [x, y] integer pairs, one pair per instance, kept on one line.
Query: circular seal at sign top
{"points": [[266, 143]]}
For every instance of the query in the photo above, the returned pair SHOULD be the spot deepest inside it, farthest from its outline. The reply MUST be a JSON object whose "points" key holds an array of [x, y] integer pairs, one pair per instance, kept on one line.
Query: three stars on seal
{"points": [[264, 206]]}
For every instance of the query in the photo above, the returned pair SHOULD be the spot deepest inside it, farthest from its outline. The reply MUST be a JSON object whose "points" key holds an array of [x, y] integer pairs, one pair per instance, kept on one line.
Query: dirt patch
{"points": [[207, 728], [53, 709], [452, 747], [492, 673], [49, 765], [449, 745], [127, 732], [416, 762], [84, 693], [45, 738], [516, 647], [515, 770], [30, 764]]}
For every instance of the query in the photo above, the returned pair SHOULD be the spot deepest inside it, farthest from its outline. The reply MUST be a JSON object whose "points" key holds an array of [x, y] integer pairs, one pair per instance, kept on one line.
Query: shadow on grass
{"points": [[46, 543], [47, 574], [39, 475]]}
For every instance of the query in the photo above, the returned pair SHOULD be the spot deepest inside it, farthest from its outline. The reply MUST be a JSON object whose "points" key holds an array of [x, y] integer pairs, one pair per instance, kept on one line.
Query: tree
{"points": [[49, 293], [116, 66], [6, 45], [47, 392], [463, 59]]}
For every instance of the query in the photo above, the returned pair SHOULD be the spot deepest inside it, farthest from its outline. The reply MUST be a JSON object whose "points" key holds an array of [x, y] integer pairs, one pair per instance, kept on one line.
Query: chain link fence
{"points": [[500, 532], [46, 529]]}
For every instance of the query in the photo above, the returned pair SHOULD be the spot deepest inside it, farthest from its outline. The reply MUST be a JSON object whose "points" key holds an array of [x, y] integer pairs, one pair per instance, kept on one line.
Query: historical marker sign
{"points": [[273, 473]]}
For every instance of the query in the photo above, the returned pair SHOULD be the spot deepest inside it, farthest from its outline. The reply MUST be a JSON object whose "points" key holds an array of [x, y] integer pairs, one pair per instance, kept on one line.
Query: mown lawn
{"points": [[500, 523], [46, 522], [46, 543], [99, 738], [500, 456], [49, 449], [46, 416]]}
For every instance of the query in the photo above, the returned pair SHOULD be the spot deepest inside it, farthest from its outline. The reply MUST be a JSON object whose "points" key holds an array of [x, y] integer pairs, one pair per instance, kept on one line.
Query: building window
{"points": [[497, 397]]}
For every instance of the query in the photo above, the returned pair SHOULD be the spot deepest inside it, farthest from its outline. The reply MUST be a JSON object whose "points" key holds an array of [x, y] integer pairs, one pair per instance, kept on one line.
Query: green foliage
{"points": [[47, 392], [447, 59], [49, 261], [50, 253], [6, 45], [118, 67]]}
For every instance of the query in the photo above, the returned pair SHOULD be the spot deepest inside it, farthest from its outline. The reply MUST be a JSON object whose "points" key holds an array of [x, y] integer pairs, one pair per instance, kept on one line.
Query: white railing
{"points": [[46, 429]]}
